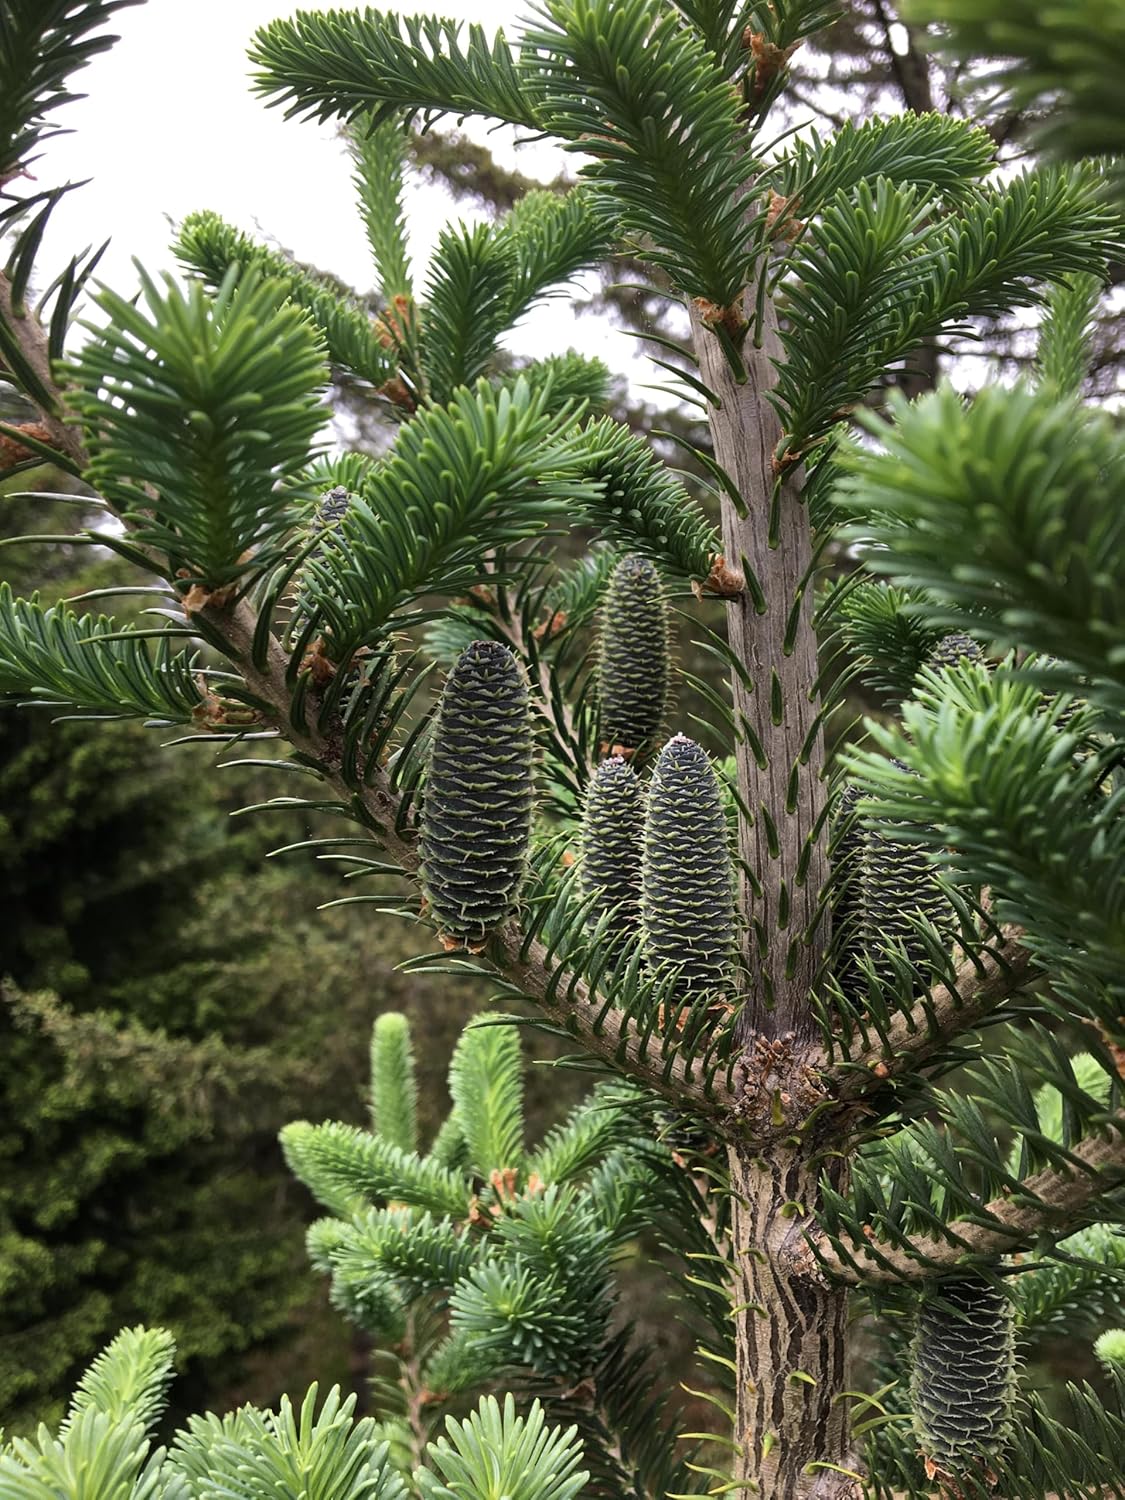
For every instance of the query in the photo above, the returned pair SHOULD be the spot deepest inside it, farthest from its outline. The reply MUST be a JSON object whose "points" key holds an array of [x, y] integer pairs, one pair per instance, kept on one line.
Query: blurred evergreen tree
{"points": [[167, 997]]}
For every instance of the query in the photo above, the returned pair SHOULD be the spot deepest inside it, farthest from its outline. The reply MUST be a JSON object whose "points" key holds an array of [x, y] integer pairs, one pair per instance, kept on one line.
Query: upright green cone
{"points": [[963, 1372], [331, 509], [687, 887], [633, 668], [476, 818], [849, 841], [612, 837], [323, 522], [899, 883], [880, 885], [955, 648]]}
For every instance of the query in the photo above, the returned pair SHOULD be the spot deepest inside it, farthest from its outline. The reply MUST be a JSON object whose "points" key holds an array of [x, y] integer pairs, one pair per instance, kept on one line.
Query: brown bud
{"points": [[13, 452], [723, 581]]}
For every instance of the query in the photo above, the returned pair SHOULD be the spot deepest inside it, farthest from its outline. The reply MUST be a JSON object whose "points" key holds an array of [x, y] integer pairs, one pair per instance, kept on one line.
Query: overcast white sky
{"points": [[170, 124]]}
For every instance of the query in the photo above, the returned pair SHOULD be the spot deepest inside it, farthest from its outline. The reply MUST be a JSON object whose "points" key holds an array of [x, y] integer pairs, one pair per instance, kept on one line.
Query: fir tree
{"points": [[860, 1177]]}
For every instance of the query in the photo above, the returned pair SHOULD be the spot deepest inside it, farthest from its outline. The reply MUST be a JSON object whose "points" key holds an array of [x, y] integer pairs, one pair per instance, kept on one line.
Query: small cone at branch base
{"points": [[963, 1375], [687, 887], [633, 669], [953, 649], [612, 836], [324, 518], [476, 819], [331, 508]]}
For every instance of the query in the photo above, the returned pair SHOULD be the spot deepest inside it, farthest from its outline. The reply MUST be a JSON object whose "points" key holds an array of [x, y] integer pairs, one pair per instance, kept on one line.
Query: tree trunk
{"points": [[791, 1340], [780, 750], [791, 1349]]}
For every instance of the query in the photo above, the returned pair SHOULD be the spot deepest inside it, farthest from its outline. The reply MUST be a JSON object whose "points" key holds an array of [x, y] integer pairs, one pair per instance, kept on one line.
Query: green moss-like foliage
{"points": [[612, 835], [953, 649], [394, 1088], [687, 889], [476, 820], [963, 1372], [633, 668]]}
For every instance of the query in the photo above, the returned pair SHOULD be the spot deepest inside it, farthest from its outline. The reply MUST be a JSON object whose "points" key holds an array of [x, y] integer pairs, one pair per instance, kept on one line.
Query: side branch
{"points": [[1048, 1202], [31, 339], [980, 984], [607, 1036]]}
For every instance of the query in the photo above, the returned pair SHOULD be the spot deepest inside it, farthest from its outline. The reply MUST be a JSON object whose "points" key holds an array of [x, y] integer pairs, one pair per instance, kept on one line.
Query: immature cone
{"points": [[325, 517], [476, 819], [633, 668], [955, 648], [963, 1377], [612, 833], [687, 890], [899, 883], [848, 844], [331, 508]]}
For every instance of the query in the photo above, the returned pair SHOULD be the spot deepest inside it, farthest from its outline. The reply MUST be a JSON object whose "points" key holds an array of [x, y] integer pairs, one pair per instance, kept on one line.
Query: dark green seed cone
{"points": [[952, 649], [476, 819], [331, 509], [899, 883], [848, 845], [687, 889], [612, 837], [963, 1372], [633, 669]]}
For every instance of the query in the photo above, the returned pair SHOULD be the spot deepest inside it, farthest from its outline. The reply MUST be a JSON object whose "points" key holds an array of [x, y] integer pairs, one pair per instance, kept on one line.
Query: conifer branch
{"points": [[31, 352], [981, 983], [558, 712], [1049, 1203], [607, 1035]]}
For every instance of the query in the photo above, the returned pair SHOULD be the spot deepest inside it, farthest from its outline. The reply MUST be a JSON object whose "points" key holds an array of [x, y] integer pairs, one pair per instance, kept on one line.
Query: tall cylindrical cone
{"points": [[899, 884], [848, 846], [612, 838], [633, 666], [687, 886], [963, 1372], [476, 817]]}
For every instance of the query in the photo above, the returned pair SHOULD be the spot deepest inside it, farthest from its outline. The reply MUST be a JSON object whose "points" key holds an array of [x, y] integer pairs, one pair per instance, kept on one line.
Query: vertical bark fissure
{"points": [[791, 1340]]}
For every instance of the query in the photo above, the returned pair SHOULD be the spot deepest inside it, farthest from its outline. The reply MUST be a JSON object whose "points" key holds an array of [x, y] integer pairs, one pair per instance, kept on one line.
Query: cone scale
{"points": [[612, 833]]}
